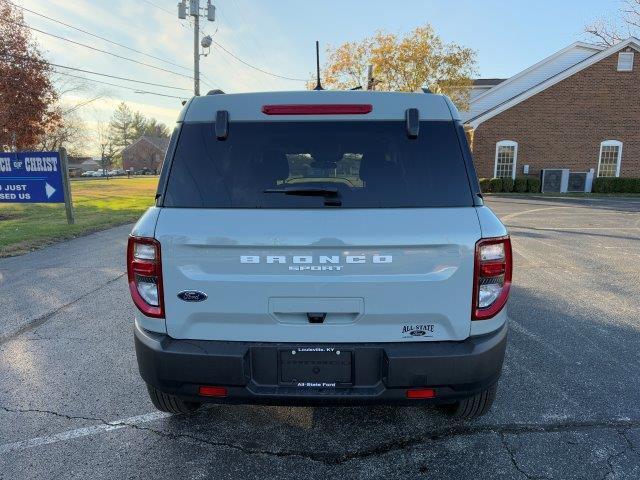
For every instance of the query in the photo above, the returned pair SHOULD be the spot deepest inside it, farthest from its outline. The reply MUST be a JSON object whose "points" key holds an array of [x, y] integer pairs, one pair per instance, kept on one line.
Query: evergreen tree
{"points": [[122, 129]]}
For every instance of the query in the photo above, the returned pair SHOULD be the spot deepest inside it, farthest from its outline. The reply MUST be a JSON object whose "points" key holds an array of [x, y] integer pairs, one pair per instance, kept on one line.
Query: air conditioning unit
{"points": [[580, 182], [554, 180]]}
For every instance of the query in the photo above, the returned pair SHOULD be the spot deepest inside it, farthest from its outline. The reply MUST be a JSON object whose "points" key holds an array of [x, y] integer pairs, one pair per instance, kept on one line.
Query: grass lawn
{"points": [[98, 204]]}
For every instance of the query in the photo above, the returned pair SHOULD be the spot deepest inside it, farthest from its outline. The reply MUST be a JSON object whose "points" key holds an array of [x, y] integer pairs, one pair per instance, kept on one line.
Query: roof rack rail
{"points": [[217, 91]]}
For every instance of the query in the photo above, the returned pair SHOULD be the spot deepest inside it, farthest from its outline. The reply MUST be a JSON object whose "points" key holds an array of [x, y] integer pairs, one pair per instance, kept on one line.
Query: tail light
{"points": [[210, 391], [144, 268], [418, 393], [492, 277]]}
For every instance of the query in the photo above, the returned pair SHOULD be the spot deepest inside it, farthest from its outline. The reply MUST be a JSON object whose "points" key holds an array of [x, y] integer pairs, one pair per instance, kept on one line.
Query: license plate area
{"points": [[316, 367]]}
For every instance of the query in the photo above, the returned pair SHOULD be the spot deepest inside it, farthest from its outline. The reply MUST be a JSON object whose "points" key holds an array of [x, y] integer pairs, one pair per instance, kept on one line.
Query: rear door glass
{"points": [[370, 164]]}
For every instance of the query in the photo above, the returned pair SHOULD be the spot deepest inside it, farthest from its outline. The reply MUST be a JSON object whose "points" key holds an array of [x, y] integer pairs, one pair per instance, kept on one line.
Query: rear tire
{"points": [[170, 403], [475, 406]]}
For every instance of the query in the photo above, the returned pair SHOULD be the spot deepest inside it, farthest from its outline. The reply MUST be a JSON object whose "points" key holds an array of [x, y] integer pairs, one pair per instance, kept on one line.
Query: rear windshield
{"points": [[343, 164]]}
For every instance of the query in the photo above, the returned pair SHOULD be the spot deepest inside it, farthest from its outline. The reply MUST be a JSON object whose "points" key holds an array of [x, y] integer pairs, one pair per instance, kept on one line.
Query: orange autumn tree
{"points": [[403, 63], [27, 96]]}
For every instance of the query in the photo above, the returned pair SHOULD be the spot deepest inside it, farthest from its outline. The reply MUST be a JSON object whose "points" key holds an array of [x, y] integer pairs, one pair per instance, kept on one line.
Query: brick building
{"points": [[577, 109], [145, 154]]}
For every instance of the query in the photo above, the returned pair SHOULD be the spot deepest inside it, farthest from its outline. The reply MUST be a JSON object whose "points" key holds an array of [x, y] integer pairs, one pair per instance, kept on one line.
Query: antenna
{"points": [[318, 84]]}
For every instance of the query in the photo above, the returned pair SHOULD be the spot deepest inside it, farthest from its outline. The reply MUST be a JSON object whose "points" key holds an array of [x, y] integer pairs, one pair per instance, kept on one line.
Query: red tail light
{"points": [[492, 277], [144, 268], [324, 109], [416, 393], [209, 391]]}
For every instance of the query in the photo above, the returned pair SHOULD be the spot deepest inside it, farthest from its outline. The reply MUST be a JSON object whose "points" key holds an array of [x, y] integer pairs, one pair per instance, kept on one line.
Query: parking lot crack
{"points": [[338, 458], [514, 461], [396, 445], [610, 466], [55, 414], [629, 443], [234, 446], [42, 319]]}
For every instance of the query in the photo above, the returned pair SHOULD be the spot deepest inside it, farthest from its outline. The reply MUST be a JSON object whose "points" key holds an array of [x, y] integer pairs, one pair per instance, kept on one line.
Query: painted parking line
{"points": [[533, 210], [572, 228], [81, 432]]}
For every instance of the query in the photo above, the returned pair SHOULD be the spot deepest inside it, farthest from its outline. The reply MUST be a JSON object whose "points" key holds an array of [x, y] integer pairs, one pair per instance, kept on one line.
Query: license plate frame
{"points": [[315, 367]]}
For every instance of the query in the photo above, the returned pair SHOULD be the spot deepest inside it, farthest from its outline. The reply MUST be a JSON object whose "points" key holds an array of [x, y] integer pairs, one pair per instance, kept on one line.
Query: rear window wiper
{"points": [[305, 191], [330, 194]]}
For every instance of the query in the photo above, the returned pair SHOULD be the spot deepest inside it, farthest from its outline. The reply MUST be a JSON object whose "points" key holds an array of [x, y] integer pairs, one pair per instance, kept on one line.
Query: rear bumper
{"points": [[381, 372]]}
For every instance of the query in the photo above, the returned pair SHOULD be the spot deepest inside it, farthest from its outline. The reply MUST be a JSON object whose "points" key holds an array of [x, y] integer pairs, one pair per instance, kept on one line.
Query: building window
{"points": [[506, 158], [625, 61], [610, 156]]}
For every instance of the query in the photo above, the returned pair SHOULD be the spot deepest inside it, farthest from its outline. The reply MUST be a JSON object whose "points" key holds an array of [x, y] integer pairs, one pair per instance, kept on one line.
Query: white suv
{"points": [[320, 247]]}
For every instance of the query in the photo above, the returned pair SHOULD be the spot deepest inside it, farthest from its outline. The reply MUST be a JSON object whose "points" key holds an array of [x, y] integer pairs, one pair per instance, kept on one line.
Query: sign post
{"points": [[35, 177], [68, 203]]}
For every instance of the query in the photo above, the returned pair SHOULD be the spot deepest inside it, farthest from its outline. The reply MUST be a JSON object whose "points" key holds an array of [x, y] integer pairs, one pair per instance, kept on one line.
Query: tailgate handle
{"points": [[310, 310], [316, 317]]}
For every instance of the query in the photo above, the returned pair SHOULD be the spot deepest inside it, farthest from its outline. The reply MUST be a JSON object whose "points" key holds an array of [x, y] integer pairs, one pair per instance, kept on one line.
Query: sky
{"points": [[278, 36]]}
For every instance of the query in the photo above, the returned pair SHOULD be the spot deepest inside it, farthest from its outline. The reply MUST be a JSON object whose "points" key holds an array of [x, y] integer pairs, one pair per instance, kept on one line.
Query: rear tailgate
{"points": [[379, 275]]}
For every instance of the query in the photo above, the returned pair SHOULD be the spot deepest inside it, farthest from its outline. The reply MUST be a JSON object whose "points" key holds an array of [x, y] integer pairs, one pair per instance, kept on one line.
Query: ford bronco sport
{"points": [[320, 247]]}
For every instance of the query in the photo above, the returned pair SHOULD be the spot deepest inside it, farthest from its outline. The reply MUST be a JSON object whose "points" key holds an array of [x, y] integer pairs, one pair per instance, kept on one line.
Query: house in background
{"points": [[78, 165], [146, 153], [577, 109], [482, 85]]}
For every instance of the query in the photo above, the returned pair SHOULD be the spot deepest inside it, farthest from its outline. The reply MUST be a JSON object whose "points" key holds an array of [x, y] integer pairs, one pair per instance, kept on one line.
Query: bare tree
{"points": [[108, 150], [609, 31], [70, 132]]}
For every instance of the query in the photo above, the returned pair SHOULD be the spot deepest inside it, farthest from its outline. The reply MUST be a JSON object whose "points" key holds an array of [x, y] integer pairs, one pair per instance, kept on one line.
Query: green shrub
{"points": [[520, 184], [601, 185], [496, 184], [485, 185], [507, 184], [616, 185], [628, 185], [533, 184]]}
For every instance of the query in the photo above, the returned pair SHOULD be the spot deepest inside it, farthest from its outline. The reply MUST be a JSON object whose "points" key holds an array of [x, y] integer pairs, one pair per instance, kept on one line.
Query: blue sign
{"points": [[31, 177]]}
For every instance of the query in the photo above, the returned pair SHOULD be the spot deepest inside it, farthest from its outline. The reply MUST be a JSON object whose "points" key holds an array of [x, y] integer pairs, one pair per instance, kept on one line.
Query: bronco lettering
{"points": [[322, 259]]}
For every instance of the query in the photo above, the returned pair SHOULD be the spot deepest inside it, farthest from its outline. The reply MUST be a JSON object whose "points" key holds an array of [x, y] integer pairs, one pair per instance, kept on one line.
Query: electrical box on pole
{"points": [[194, 8], [211, 11], [182, 10]]}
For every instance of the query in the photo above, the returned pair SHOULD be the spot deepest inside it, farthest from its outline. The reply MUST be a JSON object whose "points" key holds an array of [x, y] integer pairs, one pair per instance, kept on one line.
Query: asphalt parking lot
{"points": [[72, 404]]}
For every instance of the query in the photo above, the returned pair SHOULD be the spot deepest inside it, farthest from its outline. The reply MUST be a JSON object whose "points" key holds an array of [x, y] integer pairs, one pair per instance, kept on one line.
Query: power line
{"points": [[248, 29], [135, 90], [91, 72], [113, 42], [159, 7], [98, 49], [81, 104], [258, 68], [101, 37]]}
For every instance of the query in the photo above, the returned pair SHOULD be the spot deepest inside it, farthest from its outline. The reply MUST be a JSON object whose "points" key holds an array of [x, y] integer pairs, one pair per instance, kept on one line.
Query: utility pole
{"points": [[196, 47], [194, 11]]}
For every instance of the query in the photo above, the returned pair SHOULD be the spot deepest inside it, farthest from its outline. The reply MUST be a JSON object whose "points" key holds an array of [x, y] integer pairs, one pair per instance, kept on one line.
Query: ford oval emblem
{"points": [[418, 333], [192, 296]]}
